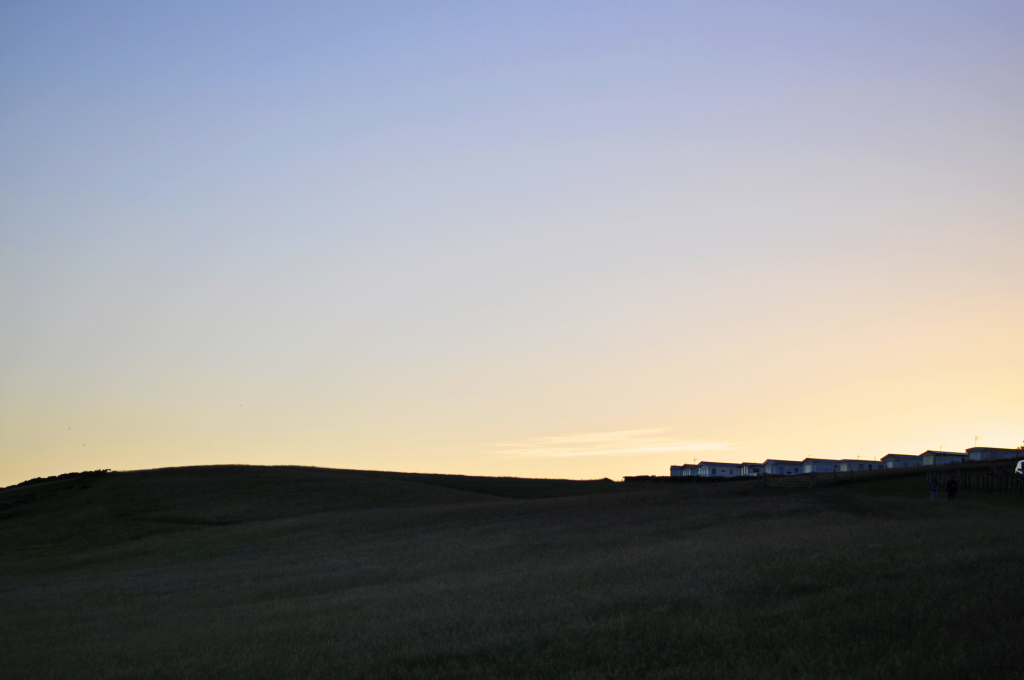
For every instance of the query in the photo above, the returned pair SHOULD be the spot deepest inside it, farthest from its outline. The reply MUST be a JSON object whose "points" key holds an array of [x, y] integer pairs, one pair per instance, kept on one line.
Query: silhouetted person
{"points": [[933, 487], [951, 489]]}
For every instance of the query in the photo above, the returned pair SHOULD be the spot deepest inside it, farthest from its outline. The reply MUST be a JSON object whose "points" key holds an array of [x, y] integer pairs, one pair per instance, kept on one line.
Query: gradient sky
{"points": [[534, 239]]}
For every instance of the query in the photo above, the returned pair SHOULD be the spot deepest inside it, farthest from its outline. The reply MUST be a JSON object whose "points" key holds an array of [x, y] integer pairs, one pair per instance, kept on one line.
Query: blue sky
{"points": [[409, 237]]}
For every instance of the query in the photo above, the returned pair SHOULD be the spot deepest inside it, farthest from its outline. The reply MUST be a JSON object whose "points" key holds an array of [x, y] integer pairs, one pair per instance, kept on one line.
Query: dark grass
{"points": [[247, 572], [105, 509], [509, 487]]}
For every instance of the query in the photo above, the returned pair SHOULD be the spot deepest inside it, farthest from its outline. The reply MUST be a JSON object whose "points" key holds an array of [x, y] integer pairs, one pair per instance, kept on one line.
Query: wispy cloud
{"points": [[617, 443]]}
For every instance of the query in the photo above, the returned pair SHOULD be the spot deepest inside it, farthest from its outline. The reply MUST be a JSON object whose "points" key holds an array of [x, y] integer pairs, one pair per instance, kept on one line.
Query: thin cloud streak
{"points": [[615, 443]]}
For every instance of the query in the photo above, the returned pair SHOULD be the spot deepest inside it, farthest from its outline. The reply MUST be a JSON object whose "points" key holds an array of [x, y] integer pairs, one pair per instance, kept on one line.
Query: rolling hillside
{"points": [[99, 509], [251, 572]]}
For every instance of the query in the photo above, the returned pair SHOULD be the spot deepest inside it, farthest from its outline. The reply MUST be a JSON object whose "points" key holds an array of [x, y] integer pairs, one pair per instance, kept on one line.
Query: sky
{"points": [[538, 239]]}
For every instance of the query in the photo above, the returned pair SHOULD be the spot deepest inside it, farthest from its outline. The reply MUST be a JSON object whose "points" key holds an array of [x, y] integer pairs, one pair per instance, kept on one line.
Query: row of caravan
{"points": [[796, 467]]}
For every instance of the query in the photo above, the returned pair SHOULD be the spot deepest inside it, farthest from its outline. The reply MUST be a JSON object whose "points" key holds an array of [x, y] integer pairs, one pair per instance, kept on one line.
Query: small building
{"points": [[707, 469], [751, 469], [781, 467], [819, 465], [858, 465], [942, 457], [983, 453], [900, 460], [687, 470]]}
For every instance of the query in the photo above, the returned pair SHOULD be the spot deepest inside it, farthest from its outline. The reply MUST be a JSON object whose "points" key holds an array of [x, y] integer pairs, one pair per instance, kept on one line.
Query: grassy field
{"points": [[252, 572]]}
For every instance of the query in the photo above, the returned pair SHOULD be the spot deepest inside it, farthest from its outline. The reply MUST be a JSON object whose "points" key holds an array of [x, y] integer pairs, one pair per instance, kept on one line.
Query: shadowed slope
{"points": [[100, 509], [373, 575]]}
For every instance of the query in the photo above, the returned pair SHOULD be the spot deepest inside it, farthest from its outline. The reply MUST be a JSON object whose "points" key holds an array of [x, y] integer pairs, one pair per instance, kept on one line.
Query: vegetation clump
{"points": [[66, 475]]}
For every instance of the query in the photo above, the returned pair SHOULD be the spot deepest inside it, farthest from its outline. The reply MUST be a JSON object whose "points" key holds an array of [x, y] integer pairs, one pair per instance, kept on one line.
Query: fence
{"points": [[989, 482], [972, 476], [805, 481], [808, 480], [1002, 480]]}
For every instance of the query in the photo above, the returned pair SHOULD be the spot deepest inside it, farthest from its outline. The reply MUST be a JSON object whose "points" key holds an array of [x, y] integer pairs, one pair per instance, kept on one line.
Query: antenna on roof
{"points": [[976, 438]]}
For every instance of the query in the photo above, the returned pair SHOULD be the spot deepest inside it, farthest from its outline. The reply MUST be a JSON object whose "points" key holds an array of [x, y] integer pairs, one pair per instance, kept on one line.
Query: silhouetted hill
{"points": [[98, 508], [270, 572]]}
